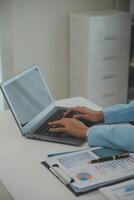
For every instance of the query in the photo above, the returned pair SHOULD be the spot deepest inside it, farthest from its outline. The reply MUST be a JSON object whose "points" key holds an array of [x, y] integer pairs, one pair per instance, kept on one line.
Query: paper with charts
{"points": [[122, 191], [76, 165]]}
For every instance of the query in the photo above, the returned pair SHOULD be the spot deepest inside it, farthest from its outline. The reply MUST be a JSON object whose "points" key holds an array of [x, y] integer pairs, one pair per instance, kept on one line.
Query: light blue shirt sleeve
{"points": [[115, 136], [119, 113]]}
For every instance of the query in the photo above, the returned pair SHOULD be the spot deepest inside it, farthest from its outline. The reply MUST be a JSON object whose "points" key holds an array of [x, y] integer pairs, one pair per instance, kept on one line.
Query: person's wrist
{"points": [[99, 116], [84, 132]]}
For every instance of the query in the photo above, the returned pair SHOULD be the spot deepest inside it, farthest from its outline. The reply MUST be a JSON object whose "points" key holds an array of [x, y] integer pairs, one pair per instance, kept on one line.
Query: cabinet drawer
{"points": [[109, 28], [105, 69], [115, 98], [102, 50], [94, 28], [104, 94], [107, 87], [110, 49], [99, 69], [80, 86]]}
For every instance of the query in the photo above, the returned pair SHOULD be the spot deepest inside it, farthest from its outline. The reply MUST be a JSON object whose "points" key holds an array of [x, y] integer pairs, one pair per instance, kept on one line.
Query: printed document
{"points": [[85, 175], [122, 191]]}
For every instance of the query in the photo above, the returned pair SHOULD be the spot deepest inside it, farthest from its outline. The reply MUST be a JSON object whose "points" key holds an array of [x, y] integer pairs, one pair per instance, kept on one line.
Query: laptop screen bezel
{"points": [[36, 120]]}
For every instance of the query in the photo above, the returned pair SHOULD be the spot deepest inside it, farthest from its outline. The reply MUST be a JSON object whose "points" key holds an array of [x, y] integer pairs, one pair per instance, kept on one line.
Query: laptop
{"points": [[32, 106]]}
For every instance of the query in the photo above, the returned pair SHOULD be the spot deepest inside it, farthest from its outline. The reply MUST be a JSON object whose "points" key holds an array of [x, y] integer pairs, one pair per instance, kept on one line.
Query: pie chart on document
{"points": [[84, 176]]}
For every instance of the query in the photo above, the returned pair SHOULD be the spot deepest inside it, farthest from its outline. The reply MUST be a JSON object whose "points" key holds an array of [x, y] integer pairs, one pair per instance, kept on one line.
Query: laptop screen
{"points": [[28, 96]]}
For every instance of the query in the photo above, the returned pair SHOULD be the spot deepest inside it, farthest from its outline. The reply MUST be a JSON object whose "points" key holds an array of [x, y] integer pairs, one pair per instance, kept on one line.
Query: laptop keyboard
{"points": [[44, 129]]}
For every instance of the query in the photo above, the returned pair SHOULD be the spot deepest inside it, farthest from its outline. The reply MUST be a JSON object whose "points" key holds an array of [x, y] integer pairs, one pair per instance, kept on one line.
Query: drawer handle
{"points": [[110, 57], [110, 37], [109, 76], [109, 94]]}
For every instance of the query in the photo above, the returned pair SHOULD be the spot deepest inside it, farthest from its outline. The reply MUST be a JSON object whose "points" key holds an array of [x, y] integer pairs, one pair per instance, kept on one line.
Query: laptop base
{"points": [[63, 139]]}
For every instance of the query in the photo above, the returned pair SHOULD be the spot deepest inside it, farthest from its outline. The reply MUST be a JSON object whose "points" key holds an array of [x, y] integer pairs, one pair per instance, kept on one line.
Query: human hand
{"points": [[85, 113], [69, 125]]}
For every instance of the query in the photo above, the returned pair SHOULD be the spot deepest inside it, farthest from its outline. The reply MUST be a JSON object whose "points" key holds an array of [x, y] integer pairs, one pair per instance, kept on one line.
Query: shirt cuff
{"points": [[87, 133]]}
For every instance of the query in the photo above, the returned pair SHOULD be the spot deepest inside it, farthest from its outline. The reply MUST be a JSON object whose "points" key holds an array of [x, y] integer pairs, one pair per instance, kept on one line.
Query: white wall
{"points": [[6, 51], [6, 38], [38, 33]]}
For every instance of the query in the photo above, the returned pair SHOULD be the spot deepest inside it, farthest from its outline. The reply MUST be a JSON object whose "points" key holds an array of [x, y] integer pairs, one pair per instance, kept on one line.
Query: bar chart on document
{"points": [[122, 191]]}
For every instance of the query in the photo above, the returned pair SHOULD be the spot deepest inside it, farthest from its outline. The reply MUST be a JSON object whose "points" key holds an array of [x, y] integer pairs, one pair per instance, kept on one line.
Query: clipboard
{"points": [[68, 181], [63, 178]]}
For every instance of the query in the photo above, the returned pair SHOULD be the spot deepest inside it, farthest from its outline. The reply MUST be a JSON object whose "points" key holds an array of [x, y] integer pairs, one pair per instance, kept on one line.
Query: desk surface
{"points": [[20, 168]]}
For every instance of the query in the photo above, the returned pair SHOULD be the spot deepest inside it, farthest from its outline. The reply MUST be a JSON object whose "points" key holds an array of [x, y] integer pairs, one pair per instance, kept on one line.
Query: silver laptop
{"points": [[33, 107]]}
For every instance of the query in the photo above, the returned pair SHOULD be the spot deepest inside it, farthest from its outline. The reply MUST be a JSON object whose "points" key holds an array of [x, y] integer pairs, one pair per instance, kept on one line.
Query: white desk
{"points": [[20, 168]]}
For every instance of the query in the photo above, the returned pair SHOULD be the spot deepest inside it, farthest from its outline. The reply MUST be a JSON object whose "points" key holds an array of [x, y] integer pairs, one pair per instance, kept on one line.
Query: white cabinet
{"points": [[99, 56]]}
